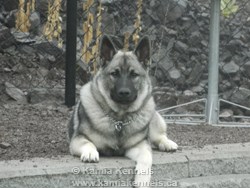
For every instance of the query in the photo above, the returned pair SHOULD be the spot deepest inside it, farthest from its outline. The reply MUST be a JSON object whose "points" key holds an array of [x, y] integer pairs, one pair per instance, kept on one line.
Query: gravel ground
{"points": [[41, 131], [33, 131]]}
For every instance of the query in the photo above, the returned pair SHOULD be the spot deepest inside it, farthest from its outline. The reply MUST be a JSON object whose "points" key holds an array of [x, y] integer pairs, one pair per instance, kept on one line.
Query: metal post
{"points": [[212, 108], [70, 85]]}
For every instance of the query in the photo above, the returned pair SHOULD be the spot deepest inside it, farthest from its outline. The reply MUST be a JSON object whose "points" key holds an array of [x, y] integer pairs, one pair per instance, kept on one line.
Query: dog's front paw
{"points": [[89, 154], [167, 145]]}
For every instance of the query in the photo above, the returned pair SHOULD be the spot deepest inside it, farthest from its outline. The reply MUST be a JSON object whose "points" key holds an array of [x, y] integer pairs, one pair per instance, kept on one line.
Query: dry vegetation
{"points": [[23, 14], [53, 27]]}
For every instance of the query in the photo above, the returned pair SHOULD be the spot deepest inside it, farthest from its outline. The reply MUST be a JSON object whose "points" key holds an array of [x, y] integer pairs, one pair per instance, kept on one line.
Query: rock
{"points": [[105, 2], [127, 28], [204, 43], [195, 38], [22, 37], [6, 38], [230, 68], [162, 59], [162, 63], [170, 31], [39, 95], [55, 74], [198, 89], [152, 15], [189, 26], [174, 74], [51, 58], [241, 96], [188, 93], [152, 3], [181, 47], [195, 75], [15, 93], [225, 85], [50, 55], [189, 96], [108, 20], [176, 9], [4, 145], [226, 56], [42, 7], [6, 70], [10, 4], [19, 68], [43, 72], [246, 67], [78, 44], [234, 45], [11, 19], [48, 48], [35, 21], [2, 18], [27, 49], [227, 113], [165, 99]]}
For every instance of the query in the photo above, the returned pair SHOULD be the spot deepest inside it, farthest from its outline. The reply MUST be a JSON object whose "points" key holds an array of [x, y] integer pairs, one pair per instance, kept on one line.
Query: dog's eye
{"points": [[115, 73], [134, 74]]}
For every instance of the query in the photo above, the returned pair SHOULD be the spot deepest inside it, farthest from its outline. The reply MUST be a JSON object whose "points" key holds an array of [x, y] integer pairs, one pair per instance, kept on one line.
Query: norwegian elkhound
{"points": [[116, 113]]}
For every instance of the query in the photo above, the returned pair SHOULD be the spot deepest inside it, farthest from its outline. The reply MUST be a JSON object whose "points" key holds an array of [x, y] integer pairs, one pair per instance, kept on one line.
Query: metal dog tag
{"points": [[118, 125]]}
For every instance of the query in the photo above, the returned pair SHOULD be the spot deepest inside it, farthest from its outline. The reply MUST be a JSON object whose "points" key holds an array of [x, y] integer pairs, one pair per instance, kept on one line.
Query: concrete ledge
{"points": [[219, 181], [188, 164]]}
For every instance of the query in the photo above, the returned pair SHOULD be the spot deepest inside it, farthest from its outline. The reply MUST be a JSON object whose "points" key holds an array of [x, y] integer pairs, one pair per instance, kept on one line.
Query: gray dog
{"points": [[116, 113]]}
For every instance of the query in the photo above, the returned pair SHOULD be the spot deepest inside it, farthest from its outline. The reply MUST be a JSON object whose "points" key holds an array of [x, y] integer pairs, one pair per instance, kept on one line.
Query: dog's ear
{"points": [[143, 51], [107, 50]]}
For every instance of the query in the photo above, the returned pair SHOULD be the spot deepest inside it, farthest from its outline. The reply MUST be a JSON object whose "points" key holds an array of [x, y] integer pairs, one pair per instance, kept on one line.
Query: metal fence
{"points": [[200, 58], [226, 103], [32, 56]]}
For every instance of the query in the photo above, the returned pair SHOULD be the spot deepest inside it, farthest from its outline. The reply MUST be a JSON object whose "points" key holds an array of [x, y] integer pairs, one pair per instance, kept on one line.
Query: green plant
{"points": [[228, 7]]}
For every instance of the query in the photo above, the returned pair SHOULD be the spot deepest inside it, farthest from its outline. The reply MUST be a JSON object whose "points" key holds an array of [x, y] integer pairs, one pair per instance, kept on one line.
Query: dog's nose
{"points": [[124, 92]]}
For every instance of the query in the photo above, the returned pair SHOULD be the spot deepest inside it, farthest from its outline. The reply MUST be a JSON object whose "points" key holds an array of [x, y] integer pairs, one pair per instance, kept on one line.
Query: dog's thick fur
{"points": [[116, 113]]}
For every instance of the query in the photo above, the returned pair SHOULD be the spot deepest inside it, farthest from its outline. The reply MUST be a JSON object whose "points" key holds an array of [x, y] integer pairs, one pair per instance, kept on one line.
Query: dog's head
{"points": [[125, 74]]}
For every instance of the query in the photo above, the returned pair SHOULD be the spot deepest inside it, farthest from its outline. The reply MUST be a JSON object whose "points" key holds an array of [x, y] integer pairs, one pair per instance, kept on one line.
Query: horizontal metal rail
{"points": [[180, 105], [234, 104], [183, 115], [179, 122], [201, 118], [232, 124], [237, 117]]}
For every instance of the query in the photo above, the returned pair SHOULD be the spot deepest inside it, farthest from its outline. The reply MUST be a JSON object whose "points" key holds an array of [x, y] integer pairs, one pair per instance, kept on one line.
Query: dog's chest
{"points": [[117, 135]]}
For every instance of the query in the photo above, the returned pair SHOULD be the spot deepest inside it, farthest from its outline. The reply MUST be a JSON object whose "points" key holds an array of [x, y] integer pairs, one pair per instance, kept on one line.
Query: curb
{"points": [[189, 167], [219, 181]]}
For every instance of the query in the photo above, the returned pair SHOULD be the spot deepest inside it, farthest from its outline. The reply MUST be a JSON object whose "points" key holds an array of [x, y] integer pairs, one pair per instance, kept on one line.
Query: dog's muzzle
{"points": [[123, 96]]}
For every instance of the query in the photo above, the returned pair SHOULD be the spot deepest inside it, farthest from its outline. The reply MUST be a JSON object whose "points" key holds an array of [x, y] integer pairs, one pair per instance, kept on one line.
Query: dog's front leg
{"points": [[142, 155], [158, 134], [80, 146]]}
